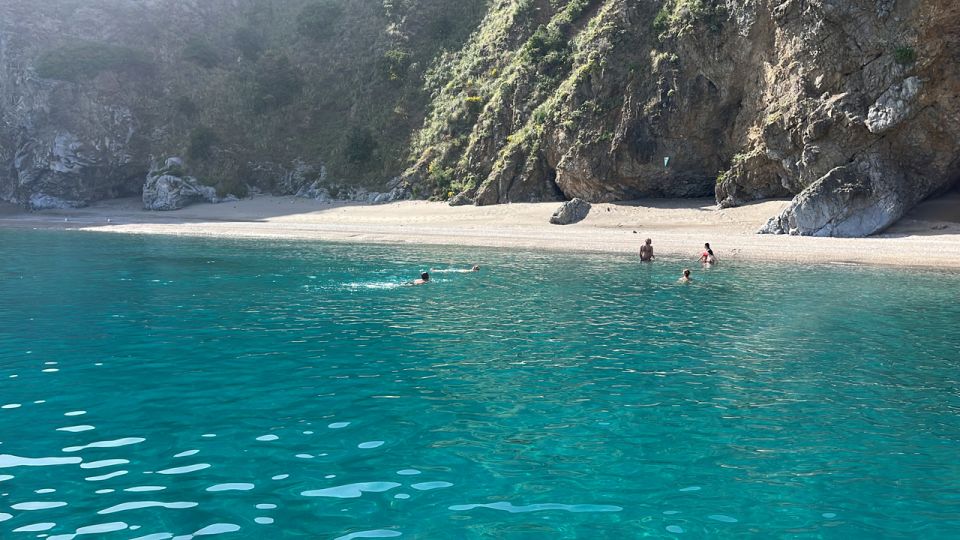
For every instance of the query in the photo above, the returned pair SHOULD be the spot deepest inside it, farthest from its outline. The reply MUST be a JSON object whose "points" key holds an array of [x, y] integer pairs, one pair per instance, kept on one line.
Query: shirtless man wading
{"points": [[646, 251]]}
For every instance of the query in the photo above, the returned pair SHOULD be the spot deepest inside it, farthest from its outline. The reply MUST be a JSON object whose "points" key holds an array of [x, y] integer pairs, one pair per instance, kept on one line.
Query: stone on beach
{"points": [[571, 212], [169, 188]]}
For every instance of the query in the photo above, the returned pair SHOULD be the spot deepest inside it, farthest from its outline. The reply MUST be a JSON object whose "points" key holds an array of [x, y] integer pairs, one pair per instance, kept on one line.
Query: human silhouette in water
{"points": [[707, 257], [646, 251]]}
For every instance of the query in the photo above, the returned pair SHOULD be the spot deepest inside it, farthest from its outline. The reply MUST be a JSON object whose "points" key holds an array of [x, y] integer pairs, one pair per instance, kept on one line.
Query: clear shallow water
{"points": [[160, 387]]}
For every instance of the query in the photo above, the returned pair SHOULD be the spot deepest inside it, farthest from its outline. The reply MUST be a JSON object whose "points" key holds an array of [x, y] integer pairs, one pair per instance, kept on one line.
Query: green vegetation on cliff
{"points": [[331, 82], [87, 59]]}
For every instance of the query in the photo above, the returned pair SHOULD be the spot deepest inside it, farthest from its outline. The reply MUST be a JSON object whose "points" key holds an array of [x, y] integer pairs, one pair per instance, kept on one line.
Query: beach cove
{"points": [[928, 237]]}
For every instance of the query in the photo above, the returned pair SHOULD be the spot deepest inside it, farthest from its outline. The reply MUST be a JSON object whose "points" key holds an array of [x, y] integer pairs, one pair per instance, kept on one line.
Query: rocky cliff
{"points": [[296, 96], [851, 107]]}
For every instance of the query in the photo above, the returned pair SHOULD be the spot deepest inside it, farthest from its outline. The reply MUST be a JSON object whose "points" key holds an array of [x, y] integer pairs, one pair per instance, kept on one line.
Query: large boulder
{"points": [[169, 188], [571, 212], [846, 202]]}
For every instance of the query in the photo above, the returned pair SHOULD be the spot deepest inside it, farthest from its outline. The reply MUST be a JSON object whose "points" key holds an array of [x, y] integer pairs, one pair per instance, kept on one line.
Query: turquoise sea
{"points": [[157, 388]]}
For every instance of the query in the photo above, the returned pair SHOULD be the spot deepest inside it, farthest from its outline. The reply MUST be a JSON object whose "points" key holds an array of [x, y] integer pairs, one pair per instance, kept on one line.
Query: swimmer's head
{"points": [[425, 276], [476, 268], [686, 272]]}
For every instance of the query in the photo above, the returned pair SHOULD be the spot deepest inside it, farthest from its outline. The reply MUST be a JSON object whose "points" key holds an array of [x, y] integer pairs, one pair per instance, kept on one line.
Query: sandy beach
{"points": [[928, 237]]}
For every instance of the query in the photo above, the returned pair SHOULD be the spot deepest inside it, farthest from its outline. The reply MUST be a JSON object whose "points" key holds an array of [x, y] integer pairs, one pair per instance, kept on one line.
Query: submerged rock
{"points": [[571, 212], [169, 188]]}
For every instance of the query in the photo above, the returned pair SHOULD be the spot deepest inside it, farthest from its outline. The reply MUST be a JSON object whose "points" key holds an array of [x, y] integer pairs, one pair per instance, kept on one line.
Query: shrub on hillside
{"points": [[395, 64], [547, 48], [904, 55], [359, 146], [87, 60], [202, 141], [680, 17], [249, 42], [201, 53], [186, 106], [317, 20], [277, 82]]}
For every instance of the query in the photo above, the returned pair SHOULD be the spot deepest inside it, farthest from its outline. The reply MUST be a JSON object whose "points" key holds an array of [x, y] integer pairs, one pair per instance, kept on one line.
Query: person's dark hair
{"points": [[707, 245], [425, 276], [686, 272]]}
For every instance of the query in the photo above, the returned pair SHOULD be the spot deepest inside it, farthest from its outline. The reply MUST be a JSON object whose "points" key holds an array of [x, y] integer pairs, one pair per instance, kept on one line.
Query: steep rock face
{"points": [[850, 105], [248, 92], [64, 145], [871, 128]]}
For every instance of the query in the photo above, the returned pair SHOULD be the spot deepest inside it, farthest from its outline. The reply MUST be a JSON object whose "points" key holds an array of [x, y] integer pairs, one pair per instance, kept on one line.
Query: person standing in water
{"points": [[685, 278], [646, 251], [707, 257]]}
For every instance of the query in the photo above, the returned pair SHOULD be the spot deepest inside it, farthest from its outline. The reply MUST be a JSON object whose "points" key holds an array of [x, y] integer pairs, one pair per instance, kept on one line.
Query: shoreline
{"points": [[929, 237]]}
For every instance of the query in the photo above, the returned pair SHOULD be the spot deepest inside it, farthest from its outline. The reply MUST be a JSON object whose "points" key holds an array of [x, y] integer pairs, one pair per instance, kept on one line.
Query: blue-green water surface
{"points": [[156, 387]]}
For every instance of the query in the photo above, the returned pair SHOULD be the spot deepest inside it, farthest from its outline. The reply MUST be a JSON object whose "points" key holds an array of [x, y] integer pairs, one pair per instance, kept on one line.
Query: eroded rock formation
{"points": [[851, 106]]}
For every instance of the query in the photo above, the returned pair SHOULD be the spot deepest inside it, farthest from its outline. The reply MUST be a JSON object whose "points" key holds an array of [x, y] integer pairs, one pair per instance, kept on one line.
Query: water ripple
{"points": [[7, 461], [136, 505], [105, 444], [37, 505], [186, 469], [509, 507], [76, 429], [352, 491], [376, 533], [92, 529], [104, 463], [231, 487], [36, 527]]}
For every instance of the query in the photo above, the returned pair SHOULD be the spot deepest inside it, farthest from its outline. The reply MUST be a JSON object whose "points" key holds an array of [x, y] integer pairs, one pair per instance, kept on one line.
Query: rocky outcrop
{"points": [[169, 188], [849, 201], [893, 106], [320, 191], [849, 106], [864, 136], [570, 212]]}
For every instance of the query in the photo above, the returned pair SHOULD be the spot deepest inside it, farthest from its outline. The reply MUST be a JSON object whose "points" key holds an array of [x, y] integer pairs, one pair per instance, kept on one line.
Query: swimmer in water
{"points": [[646, 251], [424, 278], [685, 278], [475, 268]]}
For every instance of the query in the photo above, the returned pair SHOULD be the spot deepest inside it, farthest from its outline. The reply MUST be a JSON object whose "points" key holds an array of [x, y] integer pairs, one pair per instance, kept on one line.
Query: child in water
{"points": [[685, 278], [424, 278]]}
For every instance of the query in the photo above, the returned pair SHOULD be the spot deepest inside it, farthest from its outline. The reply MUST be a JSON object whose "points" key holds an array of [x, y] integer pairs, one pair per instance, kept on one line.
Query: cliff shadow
{"points": [[934, 216]]}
